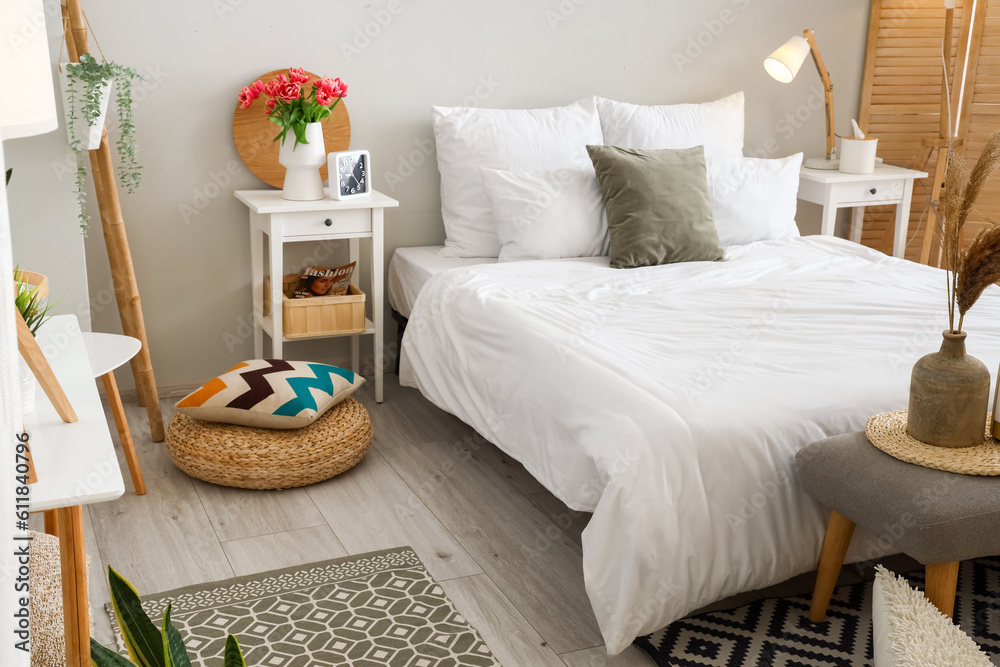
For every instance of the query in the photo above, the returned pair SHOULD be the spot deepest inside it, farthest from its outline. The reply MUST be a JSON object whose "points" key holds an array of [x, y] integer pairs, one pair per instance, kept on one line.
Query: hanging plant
{"points": [[86, 82]]}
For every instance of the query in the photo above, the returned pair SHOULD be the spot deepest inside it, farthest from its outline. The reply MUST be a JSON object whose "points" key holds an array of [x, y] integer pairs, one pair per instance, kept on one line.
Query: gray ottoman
{"points": [[938, 518]]}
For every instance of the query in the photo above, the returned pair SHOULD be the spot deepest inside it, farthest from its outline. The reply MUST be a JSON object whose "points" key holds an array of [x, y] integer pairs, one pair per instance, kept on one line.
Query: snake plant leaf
{"points": [[174, 652], [234, 655], [142, 638], [105, 657]]}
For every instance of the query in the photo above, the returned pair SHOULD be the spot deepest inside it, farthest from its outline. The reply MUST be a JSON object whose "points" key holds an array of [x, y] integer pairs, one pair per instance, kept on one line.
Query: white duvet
{"points": [[670, 401]]}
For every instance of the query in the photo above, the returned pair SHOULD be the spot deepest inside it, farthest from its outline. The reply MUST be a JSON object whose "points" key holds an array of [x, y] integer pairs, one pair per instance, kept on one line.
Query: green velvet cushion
{"points": [[658, 206]]}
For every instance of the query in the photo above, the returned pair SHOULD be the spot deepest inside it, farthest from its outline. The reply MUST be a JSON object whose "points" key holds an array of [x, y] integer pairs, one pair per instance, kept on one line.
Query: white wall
{"points": [[194, 274]]}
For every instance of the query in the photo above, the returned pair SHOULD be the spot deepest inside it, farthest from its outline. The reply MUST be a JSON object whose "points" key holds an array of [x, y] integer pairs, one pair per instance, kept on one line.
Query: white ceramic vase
{"points": [[302, 163], [27, 387]]}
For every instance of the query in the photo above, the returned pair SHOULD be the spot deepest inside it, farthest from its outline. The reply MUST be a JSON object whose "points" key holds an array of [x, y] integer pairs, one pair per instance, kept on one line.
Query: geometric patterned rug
{"points": [[778, 632], [375, 609]]}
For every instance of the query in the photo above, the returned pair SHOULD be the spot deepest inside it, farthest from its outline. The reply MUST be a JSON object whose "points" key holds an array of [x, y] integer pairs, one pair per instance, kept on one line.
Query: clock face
{"points": [[352, 174]]}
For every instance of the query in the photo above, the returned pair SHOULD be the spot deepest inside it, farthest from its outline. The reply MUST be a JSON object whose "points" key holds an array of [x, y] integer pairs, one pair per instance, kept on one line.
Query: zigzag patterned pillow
{"points": [[271, 393]]}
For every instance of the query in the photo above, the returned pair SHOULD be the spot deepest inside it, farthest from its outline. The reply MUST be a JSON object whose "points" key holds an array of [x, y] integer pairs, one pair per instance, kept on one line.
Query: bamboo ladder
{"points": [[113, 225], [903, 102]]}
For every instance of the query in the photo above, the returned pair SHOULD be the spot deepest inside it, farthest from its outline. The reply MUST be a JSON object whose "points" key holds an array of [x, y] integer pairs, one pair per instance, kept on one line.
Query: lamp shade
{"points": [[28, 101], [786, 60]]}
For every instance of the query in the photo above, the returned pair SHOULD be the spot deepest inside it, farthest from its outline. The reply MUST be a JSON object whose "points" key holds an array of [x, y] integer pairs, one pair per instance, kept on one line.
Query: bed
{"points": [[670, 400], [411, 268]]}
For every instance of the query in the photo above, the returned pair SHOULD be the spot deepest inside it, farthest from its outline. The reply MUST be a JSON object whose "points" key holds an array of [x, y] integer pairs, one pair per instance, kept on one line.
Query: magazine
{"points": [[321, 281]]}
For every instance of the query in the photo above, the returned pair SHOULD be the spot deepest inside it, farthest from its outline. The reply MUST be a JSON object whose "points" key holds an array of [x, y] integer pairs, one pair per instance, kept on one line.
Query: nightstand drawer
{"points": [[351, 221], [871, 193]]}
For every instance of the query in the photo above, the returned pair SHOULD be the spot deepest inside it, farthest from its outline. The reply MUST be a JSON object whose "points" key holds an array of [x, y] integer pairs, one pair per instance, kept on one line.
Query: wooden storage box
{"points": [[320, 315]]}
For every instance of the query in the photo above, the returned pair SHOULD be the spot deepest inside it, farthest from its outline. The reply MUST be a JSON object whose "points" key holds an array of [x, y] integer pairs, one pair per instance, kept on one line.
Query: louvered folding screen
{"points": [[901, 100], [982, 117]]}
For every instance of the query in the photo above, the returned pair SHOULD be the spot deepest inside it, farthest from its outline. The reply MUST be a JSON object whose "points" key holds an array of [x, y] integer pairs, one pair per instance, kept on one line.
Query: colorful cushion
{"points": [[271, 393]]}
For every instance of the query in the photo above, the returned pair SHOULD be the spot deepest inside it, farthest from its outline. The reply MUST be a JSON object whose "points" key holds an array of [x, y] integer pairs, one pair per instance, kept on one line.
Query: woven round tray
{"points": [[258, 458], [887, 431]]}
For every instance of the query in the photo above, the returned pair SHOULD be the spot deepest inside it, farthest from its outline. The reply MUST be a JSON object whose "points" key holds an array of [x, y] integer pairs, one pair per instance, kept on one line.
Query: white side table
{"points": [[834, 189], [106, 353], [285, 221], [76, 465]]}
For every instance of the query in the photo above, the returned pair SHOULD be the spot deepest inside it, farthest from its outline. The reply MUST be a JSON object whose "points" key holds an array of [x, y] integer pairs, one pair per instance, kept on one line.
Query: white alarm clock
{"points": [[349, 173]]}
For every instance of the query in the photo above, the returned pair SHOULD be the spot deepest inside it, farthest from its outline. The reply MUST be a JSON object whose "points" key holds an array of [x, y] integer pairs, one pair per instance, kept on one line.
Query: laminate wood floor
{"points": [[429, 481]]}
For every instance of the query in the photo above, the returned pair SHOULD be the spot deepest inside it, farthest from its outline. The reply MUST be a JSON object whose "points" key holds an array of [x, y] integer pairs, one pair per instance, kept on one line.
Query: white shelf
{"points": [[267, 324], [75, 463]]}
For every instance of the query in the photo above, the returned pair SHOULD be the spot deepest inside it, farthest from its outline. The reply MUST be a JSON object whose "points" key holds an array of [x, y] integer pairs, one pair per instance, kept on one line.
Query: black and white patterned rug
{"points": [[778, 632], [375, 609]]}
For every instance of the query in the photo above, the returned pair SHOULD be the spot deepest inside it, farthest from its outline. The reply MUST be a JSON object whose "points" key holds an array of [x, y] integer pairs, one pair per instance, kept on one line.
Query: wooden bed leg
{"points": [[838, 537], [942, 581]]}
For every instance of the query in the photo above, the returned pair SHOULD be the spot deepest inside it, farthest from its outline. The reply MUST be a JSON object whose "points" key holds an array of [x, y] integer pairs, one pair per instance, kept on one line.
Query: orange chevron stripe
{"points": [[207, 390]]}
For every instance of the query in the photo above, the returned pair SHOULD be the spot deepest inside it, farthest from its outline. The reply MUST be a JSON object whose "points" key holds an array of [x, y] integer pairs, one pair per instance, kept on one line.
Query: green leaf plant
{"points": [[87, 80], [30, 303], [147, 645]]}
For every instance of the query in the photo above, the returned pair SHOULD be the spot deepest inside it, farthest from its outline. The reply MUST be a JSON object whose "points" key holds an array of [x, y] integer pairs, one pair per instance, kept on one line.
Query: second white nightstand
{"points": [[833, 190], [284, 221]]}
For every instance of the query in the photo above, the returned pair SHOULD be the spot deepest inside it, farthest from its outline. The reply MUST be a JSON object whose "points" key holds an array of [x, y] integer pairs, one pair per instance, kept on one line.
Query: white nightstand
{"points": [[284, 221], [834, 189]]}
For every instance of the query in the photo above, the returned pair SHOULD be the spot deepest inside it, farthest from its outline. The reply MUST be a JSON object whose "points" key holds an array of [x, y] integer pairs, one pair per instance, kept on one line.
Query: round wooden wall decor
{"points": [[254, 135]]}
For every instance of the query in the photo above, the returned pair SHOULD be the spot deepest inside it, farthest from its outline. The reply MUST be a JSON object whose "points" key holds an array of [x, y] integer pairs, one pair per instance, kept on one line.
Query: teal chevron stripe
{"points": [[301, 385]]}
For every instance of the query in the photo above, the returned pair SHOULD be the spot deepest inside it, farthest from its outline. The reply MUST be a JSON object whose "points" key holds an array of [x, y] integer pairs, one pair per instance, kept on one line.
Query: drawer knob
{"points": [[873, 191], [329, 223]]}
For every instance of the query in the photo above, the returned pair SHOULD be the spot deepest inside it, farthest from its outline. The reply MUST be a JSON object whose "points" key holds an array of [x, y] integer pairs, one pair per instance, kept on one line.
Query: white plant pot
{"points": [[89, 135], [28, 385], [302, 163]]}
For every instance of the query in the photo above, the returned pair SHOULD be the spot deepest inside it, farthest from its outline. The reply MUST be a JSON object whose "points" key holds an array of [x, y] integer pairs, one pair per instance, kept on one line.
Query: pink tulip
{"points": [[298, 75], [246, 98], [332, 87], [271, 87], [324, 99], [270, 104], [257, 87], [289, 91]]}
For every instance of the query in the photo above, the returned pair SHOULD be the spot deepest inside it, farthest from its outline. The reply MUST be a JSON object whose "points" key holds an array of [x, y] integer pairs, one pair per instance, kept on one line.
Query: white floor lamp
{"points": [[25, 67]]}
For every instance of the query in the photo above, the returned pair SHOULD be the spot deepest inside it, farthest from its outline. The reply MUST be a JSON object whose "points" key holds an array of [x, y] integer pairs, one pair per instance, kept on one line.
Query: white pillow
{"points": [[909, 631], [547, 214], [718, 126], [753, 199], [469, 139]]}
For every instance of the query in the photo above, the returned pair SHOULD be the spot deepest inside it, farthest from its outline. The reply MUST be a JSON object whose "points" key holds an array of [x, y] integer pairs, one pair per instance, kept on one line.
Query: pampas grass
{"points": [[980, 268], [972, 270]]}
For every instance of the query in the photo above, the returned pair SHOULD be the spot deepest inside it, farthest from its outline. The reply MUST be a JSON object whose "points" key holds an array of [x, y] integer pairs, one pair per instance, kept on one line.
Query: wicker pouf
{"points": [[258, 458], [48, 637]]}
